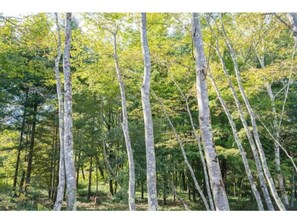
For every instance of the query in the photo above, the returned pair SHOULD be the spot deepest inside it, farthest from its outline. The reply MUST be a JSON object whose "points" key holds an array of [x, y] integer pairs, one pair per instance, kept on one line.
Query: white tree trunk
{"points": [[131, 199], [247, 130], [61, 186], [197, 138], [240, 147], [185, 156], [68, 137], [255, 128], [280, 178], [148, 121], [217, 185]]}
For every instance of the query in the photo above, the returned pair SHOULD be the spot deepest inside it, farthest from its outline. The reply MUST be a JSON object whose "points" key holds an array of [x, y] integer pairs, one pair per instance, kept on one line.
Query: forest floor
{"points": [[38, 200]]}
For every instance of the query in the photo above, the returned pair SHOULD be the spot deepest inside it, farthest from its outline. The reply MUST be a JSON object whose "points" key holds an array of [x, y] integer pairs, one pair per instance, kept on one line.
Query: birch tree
{"points": [[125, 127], [254, 125], [61, 185], [148, 121], [217, 185], [68, 136], [239, 145]]}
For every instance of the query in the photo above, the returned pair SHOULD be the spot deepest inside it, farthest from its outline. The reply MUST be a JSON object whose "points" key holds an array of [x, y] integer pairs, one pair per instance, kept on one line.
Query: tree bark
{"points": [[254, 125], [68, 136], [61, 184], [125, 127], [240, 147], [218, 190], [148, 121]]}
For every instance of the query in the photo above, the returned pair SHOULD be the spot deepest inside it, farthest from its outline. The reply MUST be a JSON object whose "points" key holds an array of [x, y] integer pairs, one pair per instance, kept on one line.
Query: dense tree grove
{"points": [[148, 111]]}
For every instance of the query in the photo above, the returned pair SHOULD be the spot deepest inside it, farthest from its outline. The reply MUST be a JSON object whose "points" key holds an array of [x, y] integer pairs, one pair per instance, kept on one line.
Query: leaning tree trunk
{"points": [[125, 126], [280, 177], [218, 190], [198, 188], [246, 128], [68, 137], [240, 147], [61, 185], [148, 121], [197, 138], [254, 125]]}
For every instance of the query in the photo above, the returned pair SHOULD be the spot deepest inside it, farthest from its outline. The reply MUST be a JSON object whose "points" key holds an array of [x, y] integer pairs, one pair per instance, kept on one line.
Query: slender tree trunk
{"points": [[254, 125], [280, 177], [142, 190], [131, 192], [247, 131], [83, 173], [197, 138], [97, 173], [90, 178], [61, 184], [52, 166], [185, 156], [148, 121], [293, 190], [31, 148], [183, 180], [22, 181], [20, 143], [218, 190], [111, 191], [180, 199], [68, 137], [240, 147]]}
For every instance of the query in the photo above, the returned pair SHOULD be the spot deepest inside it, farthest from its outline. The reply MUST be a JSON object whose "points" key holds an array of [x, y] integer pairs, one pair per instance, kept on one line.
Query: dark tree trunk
{"points": [[31, 149], [184, 185], [20, 144], [293, 190], [77, 169], [22, 182], [142, 189], [90, 178], [83, 173], [224, 172], [111, 188]]}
